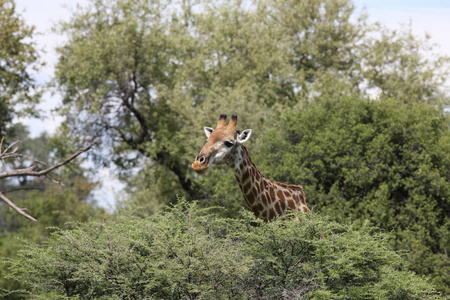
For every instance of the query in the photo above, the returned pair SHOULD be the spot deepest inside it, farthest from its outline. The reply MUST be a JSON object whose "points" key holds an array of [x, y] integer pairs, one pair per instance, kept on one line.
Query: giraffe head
{"points": [[221, 141]]}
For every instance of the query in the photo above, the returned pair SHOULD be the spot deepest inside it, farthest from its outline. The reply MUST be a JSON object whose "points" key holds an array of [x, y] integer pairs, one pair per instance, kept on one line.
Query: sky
{"points": [[427, 16], [430, 16]]}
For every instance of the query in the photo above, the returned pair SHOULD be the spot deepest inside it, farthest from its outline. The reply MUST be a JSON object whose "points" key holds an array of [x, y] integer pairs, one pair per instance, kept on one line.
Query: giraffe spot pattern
{"points": [[259, 208], [258, 176], [272, 193], [271, 214], [283, 206], [280, 195], [264, 199], [302, 200], [266, 194], [245, 176], [247, 186], [291, 204], [278, 208], [257, 186], [250, 197]]}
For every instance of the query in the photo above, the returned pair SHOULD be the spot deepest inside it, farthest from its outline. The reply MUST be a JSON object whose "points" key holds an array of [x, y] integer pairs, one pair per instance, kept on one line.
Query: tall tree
{"points": [[18, 58], [145, 76]]}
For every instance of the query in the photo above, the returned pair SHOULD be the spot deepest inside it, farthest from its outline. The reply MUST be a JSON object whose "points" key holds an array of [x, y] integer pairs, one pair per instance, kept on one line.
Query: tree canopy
{"points": [[145, 76], [18, 58]]}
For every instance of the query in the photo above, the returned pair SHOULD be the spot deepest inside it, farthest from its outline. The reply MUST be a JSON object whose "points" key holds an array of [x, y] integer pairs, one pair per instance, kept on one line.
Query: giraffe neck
{"points": [[266, 198]]}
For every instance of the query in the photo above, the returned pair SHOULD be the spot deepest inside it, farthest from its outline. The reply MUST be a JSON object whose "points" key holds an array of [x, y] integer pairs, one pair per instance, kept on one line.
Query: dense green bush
{"points": [[190, 253], [380, 161]]}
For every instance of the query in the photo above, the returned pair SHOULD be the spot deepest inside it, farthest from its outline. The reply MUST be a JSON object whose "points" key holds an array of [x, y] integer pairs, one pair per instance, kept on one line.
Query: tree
{"points": [[377, 161], [18, 58], [145, 77]]}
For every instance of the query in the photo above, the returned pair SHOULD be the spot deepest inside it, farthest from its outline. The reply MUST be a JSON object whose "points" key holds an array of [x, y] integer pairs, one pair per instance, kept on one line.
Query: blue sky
{"points": [[432, 16]]}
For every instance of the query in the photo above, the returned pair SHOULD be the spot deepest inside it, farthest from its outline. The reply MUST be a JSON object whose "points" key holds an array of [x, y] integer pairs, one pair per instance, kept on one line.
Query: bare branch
{"points": [[30, 171], [19, 210], [55, 181], [16, 155], [13, 154], [6, 150]]}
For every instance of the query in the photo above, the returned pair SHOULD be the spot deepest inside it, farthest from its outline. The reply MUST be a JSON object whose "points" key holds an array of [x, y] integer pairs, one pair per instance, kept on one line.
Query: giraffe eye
{"points": [[228, 144]]}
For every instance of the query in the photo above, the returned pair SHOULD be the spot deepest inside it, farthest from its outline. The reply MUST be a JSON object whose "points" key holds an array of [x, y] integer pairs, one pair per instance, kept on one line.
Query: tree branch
{"points": [[30, 171], [139, 117], [19, 210], [180, 171]]}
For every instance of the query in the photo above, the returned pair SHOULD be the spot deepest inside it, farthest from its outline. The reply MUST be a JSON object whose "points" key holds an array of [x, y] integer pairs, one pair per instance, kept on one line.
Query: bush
{"points": [[189, 253]]}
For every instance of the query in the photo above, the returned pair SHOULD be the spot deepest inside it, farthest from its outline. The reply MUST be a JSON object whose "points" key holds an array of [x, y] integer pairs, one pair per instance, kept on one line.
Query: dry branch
{"points": [[19, 210], [31, 171]]}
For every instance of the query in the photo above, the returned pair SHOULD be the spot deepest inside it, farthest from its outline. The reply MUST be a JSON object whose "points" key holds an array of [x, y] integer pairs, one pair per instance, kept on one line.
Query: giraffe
{"points": [[266, 198]]}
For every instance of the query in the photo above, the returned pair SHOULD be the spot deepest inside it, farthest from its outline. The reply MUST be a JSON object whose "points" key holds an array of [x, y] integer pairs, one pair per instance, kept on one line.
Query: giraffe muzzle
{"points": [[200, 165]]}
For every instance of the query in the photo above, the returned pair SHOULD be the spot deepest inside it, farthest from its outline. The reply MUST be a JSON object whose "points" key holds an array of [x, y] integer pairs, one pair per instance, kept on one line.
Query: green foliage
{"points": [[221, 189], [379, 161], [145, 76], [147, 185], [53, 208], [187, 252], [18, 57], [53, 205], [32, 192]]}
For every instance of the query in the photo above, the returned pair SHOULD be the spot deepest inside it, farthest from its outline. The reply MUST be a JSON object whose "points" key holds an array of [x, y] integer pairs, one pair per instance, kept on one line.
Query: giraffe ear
{"points": [[244, 136], [208, 131]]}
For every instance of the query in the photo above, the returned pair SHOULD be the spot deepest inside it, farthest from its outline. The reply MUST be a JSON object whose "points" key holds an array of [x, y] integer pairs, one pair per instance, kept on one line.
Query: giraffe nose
{"points": [[200, 165], [201, 159]]}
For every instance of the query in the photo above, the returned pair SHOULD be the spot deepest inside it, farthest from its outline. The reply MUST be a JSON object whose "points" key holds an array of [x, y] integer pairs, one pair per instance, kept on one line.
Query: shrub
{"points": [[189, 253]]}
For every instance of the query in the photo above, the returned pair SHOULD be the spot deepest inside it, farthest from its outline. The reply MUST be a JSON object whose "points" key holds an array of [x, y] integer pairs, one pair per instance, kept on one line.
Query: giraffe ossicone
{"points": [[266, 198]]}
